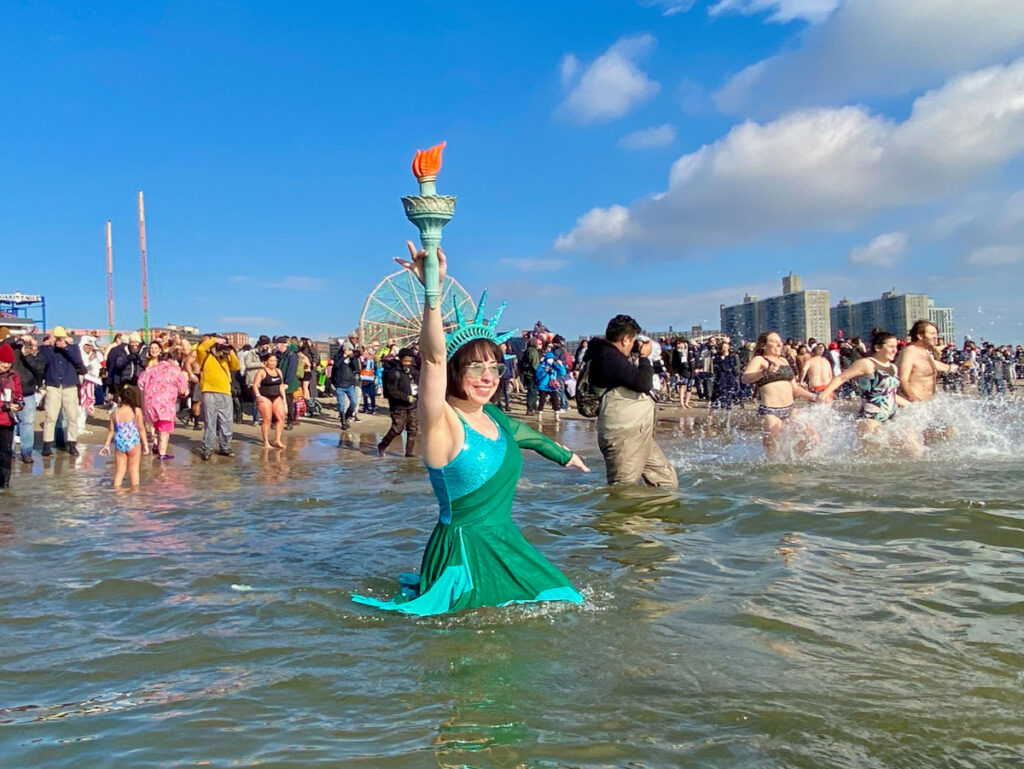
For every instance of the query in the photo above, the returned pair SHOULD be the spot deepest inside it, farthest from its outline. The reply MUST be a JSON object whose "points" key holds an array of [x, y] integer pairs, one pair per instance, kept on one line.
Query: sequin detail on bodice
{"points": [[474, 465]]}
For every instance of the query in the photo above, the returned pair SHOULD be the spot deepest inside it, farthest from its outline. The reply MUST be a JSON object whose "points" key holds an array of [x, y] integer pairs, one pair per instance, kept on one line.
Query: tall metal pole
{"points": [[145, 290], [110, 282]]}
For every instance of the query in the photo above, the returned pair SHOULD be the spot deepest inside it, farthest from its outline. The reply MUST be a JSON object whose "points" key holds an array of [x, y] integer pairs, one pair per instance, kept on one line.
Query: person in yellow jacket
{"points": [[217, 362]]}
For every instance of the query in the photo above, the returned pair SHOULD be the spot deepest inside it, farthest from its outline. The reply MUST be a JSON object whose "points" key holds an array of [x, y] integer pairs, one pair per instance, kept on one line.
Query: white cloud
{"points": [[531, 264], [298, 283], [612, 85], [568, 68], [780, 11], [649, 138], [996, 256], [877, 47], [884, 251], [670, 7], [824, 168], [596, 226]]}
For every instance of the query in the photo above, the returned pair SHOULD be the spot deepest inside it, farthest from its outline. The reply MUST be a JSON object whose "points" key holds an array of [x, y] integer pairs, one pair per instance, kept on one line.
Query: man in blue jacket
{"points": [[63, 367]]}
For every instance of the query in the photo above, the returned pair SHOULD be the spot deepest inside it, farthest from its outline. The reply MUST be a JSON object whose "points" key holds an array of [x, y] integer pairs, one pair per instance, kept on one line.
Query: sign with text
{"points": [[19, 298]]}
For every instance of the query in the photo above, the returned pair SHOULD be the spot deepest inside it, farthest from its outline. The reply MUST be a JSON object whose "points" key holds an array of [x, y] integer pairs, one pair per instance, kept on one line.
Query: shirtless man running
{"points": [[918, 362], [817, 371]]}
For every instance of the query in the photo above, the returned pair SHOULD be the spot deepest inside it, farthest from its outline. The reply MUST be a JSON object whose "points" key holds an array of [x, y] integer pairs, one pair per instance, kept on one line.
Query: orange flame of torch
{"points": [[428, 162]]}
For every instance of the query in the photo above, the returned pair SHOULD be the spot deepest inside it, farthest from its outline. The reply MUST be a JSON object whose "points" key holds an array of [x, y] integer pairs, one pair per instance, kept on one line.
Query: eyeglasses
{"points": [[476, 370]]}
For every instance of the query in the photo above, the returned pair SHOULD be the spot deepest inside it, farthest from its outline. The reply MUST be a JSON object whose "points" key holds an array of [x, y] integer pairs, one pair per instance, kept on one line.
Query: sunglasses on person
{"points": [[477, 369]]}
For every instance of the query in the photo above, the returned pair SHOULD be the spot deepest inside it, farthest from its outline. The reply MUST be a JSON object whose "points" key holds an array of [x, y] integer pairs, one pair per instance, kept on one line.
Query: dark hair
{"points": [[919, 327], [166, 355], [473, 350], [620, 327], [131, 396], [762, 341], [879, 337]]}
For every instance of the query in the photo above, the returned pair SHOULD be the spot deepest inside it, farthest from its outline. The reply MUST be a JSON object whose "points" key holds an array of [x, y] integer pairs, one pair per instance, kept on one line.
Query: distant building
{"points": [[188, 333], [893, 312], [237, 339], [942, 317], [797, 313]]}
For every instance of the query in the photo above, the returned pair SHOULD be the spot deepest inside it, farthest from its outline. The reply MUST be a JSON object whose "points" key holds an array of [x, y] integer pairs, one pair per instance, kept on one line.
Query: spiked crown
{"points": [[477, 329]]}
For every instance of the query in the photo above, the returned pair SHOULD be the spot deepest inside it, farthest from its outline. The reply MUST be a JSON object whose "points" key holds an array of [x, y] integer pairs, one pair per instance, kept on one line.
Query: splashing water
{"points": [[951, 429]]}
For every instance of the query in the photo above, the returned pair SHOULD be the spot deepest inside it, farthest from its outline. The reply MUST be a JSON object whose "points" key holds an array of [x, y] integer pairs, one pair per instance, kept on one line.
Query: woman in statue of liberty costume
{"points": [[475, 556]]}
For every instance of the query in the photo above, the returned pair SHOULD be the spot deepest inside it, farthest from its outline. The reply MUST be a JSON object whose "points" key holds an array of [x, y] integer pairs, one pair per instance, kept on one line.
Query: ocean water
{"points": [[846, 608]]}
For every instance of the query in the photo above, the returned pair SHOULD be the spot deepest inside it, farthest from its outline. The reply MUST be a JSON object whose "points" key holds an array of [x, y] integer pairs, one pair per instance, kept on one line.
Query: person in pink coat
{"points": [[162, 384]]}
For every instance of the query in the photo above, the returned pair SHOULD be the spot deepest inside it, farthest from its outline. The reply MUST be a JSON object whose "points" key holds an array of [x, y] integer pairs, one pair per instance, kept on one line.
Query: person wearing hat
{"points": [[10, 403], [29, 365], [92, 359], [124, 363], [63, 367]]}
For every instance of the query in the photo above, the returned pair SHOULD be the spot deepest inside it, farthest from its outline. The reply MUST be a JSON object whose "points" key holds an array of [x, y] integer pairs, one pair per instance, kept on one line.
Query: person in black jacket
{"points": [[63, 367], [625, 423], [345, 378], [124, 363], [31, 368], [400, 390]]}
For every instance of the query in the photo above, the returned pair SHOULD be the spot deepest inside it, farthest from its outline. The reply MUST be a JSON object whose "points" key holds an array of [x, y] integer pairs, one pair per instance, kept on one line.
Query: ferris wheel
{"points": [[394, 309]]}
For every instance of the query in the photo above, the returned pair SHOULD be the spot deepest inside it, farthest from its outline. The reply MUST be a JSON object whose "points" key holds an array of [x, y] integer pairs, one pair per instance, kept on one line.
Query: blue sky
{"points": [[654, 158]]}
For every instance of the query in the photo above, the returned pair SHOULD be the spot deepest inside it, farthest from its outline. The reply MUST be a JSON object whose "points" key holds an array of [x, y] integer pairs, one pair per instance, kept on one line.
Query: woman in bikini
{"points": [[773, 376], [269, 391], [878, 382]]}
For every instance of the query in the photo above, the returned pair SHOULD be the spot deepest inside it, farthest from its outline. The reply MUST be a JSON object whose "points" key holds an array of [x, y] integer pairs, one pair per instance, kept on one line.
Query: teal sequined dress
{"points": [[476, 556]]}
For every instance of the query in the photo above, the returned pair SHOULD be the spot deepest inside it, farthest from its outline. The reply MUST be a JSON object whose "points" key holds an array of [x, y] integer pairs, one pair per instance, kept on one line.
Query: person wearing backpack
{"points": [[625, 422]]}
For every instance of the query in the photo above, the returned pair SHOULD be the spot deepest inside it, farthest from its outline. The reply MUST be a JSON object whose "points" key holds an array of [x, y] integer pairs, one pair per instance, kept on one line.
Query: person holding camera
{"points": [[625, 423], [217, 363], [345, 377], [11, 401], [63, 367]]}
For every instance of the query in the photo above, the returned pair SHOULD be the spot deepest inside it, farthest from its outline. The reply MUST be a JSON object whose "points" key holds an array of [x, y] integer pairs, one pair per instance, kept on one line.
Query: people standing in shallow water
{"points": [[475, 556], [268, 389], [878, 381], [126, 430], [918, 362], [777, 388]]}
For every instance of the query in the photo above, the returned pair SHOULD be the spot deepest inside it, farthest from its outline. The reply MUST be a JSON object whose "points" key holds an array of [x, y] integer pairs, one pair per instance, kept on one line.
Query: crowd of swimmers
{"points": [[150, 388]]}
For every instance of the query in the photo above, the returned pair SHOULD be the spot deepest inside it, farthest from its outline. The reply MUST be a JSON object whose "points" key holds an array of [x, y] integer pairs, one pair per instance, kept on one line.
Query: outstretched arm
{"points": [[528, 438], [863, 367]]}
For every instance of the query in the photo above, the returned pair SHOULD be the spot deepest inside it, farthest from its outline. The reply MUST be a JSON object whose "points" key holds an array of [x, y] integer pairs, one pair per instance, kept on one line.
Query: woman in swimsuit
{"points": [[878, 381], [269, 391], [127, 426], [776, 384], [475, 556]]}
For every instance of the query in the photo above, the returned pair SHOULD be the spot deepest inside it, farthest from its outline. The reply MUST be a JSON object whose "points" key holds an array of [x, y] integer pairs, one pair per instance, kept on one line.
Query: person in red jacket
{"points": [[11, 401]]}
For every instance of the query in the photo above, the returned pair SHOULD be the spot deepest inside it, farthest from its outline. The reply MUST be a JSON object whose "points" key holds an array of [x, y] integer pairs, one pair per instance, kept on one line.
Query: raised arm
{"points": [[432, 407]]}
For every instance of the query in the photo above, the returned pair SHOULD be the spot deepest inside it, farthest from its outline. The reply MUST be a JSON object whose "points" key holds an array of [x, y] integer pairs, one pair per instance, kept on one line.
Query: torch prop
{"points": [[430, 212]]}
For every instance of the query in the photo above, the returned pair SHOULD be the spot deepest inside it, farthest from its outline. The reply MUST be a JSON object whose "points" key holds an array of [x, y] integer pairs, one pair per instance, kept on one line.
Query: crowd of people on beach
{"points": [[150, 389]]}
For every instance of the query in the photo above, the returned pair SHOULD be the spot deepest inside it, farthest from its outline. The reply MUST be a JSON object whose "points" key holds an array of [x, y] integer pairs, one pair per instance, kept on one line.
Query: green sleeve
{"points": [[528, 438]]}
